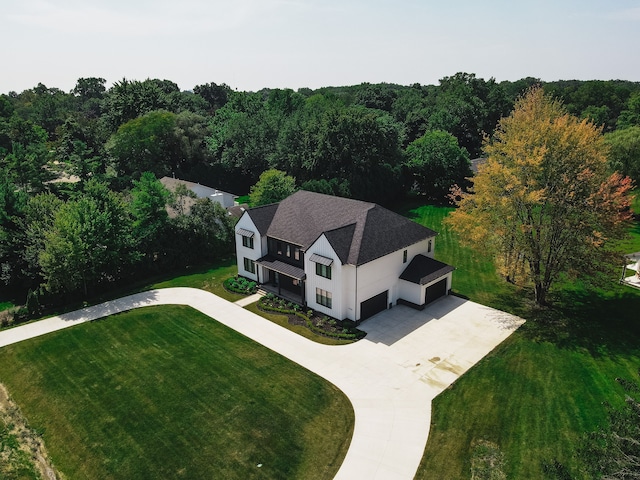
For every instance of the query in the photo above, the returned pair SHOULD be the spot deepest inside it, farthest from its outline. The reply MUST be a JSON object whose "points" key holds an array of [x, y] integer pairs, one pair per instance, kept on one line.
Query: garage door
{"points": [[436, 291], [374, 305]]}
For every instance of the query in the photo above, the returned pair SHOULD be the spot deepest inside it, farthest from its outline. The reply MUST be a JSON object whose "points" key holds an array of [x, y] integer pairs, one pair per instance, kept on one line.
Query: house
{"points": [[227, 200], [345, 258]]}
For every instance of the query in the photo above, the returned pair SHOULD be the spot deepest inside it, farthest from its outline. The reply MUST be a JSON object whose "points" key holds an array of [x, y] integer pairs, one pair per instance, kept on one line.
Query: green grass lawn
{"points": [[207, 278], [537, 393], [166, 392]]}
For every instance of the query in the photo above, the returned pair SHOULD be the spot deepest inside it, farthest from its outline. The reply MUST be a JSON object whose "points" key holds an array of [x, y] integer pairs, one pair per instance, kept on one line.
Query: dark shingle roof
{"points": [[422, 270], [262, 216], [359, 232]]}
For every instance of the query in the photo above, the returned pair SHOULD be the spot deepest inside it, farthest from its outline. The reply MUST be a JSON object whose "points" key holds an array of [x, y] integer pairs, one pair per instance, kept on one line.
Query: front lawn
{"points": [[167, 392], [537, 393]]}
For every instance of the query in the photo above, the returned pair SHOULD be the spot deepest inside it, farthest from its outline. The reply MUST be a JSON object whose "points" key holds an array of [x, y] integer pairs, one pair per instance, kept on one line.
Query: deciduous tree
{"points": [[436, 162], [624, 151], [90, 241], [273, 186], [544, 203]]}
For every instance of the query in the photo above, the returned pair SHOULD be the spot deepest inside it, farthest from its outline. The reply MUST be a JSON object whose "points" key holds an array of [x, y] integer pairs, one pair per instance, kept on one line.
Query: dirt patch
{"points": [[27, 440]]}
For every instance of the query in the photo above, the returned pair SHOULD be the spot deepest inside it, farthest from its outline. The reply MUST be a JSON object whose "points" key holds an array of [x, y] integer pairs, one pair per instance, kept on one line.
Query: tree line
{"points": [[373, 142]]}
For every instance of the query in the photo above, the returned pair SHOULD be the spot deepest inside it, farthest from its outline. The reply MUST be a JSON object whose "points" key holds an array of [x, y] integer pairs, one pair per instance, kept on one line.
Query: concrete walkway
{"points": [[243, 302], [390, 377]]}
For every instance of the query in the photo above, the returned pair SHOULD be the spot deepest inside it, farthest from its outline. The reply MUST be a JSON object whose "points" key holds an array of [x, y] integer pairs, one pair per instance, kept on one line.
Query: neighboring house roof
{"points": [[422, 270], [202, 191], [476, 162], [237, 210], [359, 232]]}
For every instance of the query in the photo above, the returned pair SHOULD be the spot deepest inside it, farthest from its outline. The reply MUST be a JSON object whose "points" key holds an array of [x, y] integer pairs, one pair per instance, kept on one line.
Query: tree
{"points": [[207, 229], [613, 451], [544, 203], [149, 199], [215, 95], [12, 204], [147, 143], [273, 186], [90, 241], [630, 116], [437, 162], [37, 221], [624, 151]]}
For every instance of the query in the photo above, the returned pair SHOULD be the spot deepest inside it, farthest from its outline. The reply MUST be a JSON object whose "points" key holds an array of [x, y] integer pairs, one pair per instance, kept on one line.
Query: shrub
{"points": [[240, 285], [33, 303], [282, 307]]}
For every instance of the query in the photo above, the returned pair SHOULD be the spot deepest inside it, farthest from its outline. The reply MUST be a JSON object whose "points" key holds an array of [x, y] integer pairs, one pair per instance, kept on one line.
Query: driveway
{"points": [[391, 376]]}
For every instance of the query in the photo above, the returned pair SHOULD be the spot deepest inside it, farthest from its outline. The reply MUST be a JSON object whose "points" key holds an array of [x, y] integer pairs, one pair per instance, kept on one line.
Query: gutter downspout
{"points": [[355, 311]]}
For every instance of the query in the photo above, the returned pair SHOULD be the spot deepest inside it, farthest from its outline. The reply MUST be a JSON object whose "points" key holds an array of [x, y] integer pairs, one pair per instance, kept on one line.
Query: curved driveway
{"points": [[407, 358]]}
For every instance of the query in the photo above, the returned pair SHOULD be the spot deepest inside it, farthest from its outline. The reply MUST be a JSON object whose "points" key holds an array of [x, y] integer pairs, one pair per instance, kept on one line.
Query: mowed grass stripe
{"points": [[537, 393], [166, 392]]}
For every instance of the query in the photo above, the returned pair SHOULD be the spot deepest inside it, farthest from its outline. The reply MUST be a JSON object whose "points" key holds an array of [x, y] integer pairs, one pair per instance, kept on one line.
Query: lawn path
{"points": [[390, 377]]}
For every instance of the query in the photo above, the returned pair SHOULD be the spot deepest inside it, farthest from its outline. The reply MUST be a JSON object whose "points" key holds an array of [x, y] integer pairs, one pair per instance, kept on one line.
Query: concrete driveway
{"points": [[407, 358]]}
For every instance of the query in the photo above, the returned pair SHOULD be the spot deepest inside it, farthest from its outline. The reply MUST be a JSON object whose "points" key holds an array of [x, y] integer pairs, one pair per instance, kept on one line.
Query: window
{"points": [[404, 257], [296, 253], [279, 248], [323, 270], [247, 241], [323, 297], [288, 250], [249, 265], [429, 247]]}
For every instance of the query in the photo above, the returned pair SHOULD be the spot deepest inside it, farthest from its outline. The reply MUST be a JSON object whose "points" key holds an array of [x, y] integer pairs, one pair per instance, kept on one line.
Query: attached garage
{"points": [[428, 279], [435, 291], [374, 305]]}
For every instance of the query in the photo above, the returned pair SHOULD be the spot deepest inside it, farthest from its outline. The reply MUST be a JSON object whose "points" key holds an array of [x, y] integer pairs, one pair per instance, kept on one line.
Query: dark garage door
{"points": [[436, 291], [375, 304]]}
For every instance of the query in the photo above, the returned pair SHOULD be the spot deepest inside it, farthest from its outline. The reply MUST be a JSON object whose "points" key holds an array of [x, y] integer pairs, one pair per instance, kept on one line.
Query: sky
{"points": [[255, 44]]}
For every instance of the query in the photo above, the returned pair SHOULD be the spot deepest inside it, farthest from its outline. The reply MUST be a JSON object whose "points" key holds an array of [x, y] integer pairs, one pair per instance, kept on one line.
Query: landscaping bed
{"points": [[240, 285], [317, 323]]}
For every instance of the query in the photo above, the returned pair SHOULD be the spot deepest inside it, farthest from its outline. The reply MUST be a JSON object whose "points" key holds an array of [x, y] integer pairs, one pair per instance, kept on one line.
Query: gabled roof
{"points": [[422, 270], [359, 232], [262, 216]]}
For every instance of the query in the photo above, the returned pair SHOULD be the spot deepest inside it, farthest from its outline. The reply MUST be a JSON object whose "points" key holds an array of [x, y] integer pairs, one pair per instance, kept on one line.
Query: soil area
{"points": [[28, 440]]}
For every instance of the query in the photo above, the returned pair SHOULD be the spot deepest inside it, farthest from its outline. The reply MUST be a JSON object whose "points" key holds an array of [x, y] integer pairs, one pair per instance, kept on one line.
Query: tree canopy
{"points": [[545, 203], [273, 186], [436, 162]]}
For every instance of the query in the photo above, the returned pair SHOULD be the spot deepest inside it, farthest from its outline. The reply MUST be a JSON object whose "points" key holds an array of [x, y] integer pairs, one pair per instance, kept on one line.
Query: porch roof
{"points": [[284, 268], [422, 270]]}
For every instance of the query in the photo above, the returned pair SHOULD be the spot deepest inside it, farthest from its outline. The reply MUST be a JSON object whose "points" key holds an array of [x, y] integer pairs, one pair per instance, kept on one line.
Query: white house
{"points": [[346, 258]]}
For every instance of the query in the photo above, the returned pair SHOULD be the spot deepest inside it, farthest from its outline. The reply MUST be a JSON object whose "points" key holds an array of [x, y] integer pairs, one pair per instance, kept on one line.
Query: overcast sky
{"points": [[251, 44]]}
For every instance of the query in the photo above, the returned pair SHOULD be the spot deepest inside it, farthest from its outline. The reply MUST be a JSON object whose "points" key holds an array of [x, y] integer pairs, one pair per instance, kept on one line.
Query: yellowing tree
{"points": [[544, 203]]}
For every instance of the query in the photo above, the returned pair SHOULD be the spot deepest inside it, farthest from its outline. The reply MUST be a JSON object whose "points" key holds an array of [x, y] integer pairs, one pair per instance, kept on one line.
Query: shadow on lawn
{"points": [[602, 324]]}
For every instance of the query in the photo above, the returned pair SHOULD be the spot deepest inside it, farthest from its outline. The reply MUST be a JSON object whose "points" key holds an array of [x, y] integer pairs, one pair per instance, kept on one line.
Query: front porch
{"points": [[286, 294], [282, 279]]}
